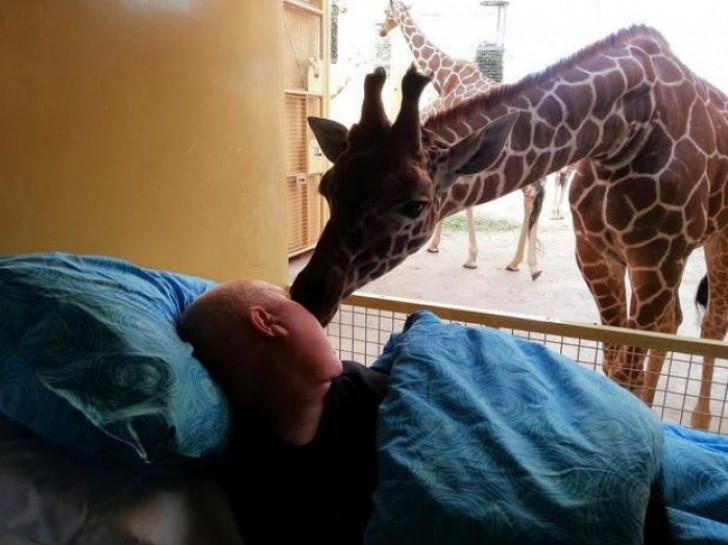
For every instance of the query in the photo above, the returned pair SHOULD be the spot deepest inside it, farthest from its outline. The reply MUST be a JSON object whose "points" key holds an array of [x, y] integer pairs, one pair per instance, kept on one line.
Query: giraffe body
{"points": [[651, 139], [456, 80]]}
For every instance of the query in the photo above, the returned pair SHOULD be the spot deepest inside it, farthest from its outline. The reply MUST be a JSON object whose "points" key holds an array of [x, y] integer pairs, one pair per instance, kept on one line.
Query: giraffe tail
{"points": [[701, 295], [539, 196]]}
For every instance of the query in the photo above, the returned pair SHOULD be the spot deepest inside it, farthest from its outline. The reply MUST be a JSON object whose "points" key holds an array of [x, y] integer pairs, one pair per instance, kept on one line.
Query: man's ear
{"points": [[264, 323]]}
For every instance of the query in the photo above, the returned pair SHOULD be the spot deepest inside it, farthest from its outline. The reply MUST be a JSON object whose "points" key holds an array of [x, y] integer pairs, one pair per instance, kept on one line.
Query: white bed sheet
{"points": [[48, 499]]}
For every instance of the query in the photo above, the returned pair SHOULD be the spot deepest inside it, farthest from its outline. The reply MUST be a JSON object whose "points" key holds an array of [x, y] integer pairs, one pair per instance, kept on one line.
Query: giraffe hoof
{"points": [[433, 250], [511, 268], [470, 265], [535, 275]]}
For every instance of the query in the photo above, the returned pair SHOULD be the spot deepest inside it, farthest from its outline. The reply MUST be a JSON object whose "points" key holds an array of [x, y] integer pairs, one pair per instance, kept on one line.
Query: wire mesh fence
{"points": [[363, 325]]}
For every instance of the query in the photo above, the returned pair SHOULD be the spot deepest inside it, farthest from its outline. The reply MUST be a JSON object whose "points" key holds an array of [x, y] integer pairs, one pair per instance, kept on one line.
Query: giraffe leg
{"points": [[523, 237], [701, 416], [628, 370], [652, 376], [714, 324], [561, 183], [669, 323], [472, 261], [560, 205], [605, 279], [434, 246], [556, 213], [533, 252], [654, 307], [515, 263], [536, 198]]}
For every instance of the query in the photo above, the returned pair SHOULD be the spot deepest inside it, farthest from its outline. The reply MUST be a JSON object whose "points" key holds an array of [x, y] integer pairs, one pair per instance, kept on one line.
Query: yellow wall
{"points": [[145, 129]]}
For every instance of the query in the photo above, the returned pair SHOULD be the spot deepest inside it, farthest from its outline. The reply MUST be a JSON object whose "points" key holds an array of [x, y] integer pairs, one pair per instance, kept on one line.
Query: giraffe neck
{"points": [[599, 104], [428, 57]]}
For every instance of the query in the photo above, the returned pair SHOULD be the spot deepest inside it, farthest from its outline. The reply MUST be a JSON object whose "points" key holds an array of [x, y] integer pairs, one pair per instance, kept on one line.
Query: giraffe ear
{"points": [[330, 135], [478, 151]]}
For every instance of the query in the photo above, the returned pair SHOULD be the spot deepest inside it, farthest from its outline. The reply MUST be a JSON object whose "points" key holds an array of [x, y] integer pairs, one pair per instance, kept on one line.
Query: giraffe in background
{"points": [[651, 138], [562, 177], [456, 80]]}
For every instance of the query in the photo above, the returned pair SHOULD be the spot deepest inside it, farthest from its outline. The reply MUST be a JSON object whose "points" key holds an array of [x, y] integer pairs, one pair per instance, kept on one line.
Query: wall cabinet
{"points": [[306, 59]]}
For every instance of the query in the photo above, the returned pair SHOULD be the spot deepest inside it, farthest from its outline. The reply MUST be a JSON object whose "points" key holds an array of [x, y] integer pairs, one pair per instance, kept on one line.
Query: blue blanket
{"points": [[694, 481], [487, 438]]}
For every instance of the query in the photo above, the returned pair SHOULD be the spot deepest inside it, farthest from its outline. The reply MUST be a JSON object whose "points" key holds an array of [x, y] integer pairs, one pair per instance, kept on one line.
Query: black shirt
{"points": [[317, 493]]}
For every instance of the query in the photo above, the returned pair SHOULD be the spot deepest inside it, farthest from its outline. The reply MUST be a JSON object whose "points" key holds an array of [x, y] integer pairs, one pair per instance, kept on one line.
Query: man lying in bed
{"points": [[302, 465]]}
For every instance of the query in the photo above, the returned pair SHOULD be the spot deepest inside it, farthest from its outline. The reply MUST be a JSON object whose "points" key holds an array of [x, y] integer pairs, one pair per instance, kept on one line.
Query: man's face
{"points": [[307, 341]]}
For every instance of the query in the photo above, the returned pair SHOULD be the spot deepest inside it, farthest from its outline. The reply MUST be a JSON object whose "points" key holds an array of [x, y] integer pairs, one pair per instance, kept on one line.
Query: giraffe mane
{"points": [[499, 93]]}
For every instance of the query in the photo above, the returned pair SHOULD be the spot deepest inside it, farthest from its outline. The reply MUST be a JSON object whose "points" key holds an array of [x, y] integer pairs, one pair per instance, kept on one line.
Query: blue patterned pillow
{"points": [[90, 359]]}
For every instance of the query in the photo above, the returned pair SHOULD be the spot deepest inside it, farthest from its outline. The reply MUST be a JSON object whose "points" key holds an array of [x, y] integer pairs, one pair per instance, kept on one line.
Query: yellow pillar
{"points": [[150, 130]]}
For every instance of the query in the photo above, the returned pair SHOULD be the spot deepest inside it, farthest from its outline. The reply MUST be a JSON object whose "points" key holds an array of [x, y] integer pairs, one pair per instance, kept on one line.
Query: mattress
{"points": [[48, 498]]}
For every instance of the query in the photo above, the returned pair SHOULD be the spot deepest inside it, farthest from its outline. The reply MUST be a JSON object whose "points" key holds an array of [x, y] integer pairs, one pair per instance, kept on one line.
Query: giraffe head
{"points": [[391, 16], [383, 191]]}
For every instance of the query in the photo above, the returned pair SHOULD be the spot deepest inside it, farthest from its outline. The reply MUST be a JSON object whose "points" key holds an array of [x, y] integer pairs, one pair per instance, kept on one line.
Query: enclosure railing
{"points": [[364, 323]]}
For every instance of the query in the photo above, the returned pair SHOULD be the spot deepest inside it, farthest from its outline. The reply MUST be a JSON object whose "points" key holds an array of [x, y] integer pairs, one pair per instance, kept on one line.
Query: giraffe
{"points": [[651, 138], [561, 183], [456, 80]]}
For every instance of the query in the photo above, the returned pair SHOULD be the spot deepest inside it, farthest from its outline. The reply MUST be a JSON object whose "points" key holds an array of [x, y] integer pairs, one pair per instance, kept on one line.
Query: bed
{"points": [[98, 485], [108, 425], [50, 499]]}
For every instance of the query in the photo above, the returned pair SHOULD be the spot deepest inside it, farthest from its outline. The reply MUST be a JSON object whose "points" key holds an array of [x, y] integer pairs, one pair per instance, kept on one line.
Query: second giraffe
{"points": [[456, 80]]}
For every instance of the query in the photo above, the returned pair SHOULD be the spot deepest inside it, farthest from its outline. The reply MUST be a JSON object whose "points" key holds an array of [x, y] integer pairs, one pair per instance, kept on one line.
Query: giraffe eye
{"points": [[411, 209]]}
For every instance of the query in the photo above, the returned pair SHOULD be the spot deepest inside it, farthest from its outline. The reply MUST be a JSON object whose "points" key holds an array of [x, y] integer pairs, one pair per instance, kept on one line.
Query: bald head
{"points": [[218, 327], [267, 352]]}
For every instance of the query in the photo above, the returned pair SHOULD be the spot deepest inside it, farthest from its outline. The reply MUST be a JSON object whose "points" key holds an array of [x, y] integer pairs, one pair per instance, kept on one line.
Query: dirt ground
{"points": [[558, 294]]}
